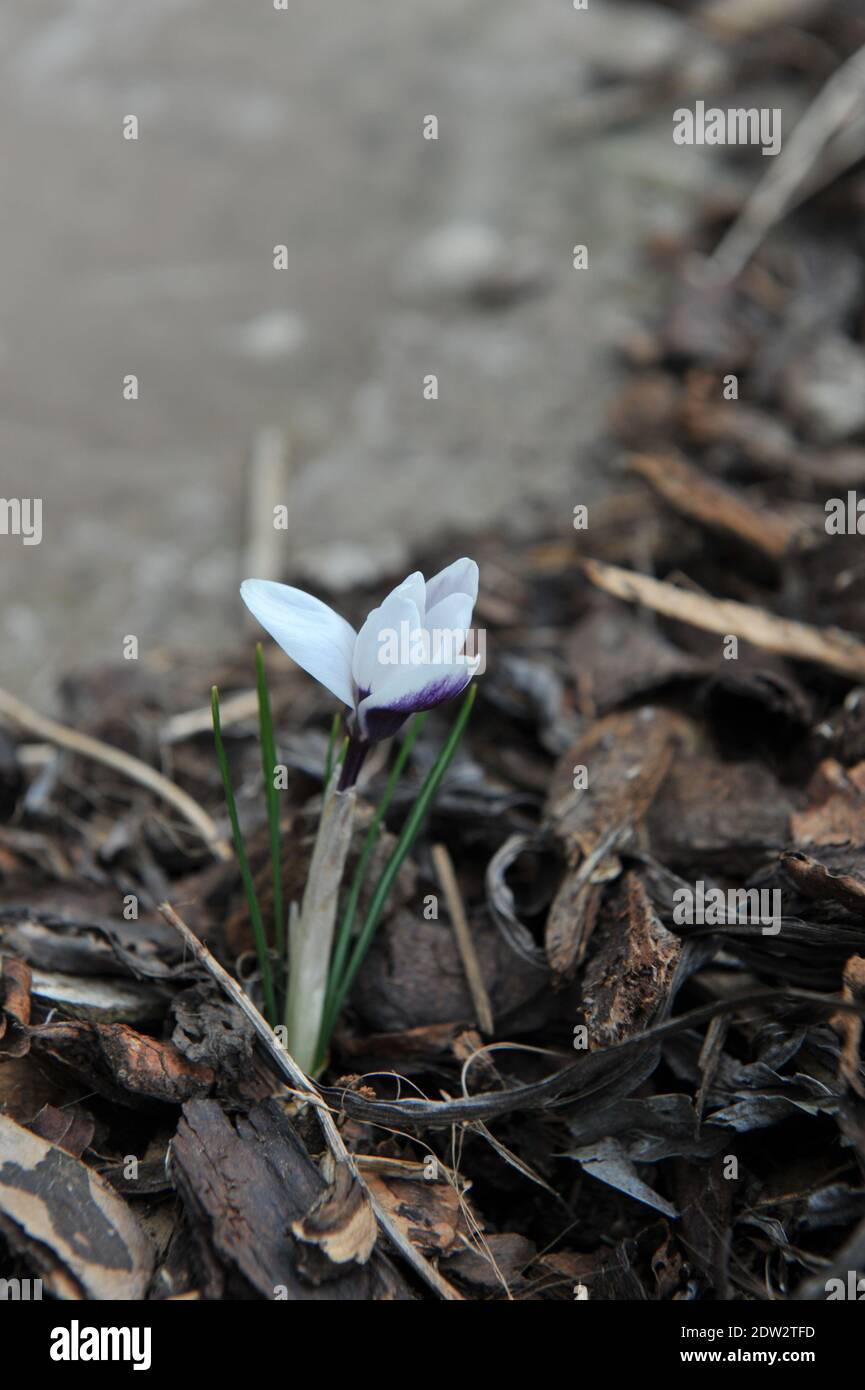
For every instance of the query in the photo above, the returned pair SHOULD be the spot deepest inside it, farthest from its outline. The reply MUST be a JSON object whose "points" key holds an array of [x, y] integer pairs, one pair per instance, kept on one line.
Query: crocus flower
{"points": [[407, 657]]}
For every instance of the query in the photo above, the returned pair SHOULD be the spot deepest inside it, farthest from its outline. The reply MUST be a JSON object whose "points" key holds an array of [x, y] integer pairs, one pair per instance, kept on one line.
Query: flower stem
{"points": [[353, 762], [243, 862]]}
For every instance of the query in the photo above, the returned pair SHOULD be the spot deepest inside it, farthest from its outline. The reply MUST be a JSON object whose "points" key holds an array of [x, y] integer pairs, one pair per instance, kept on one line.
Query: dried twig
{"points": [[714, 505], [831, 109], [142, 773], [745, 18], [448, 880], [287, 1067], [830, 647], [268, 471], [232, 710]]}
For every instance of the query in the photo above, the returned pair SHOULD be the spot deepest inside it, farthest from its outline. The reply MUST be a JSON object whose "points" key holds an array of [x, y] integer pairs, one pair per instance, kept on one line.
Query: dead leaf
{"points": [[15, 1012], [122, 1064], [815, 880], [341, 1221], [429, 1214], [848, 1026], [837, 812], [625, 758], [67, 1223], [714, 505], [628, 978], [71, 1128]]}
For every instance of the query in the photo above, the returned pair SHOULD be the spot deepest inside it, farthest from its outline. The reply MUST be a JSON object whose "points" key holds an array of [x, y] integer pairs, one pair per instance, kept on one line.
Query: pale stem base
{"points": [[311, 930]]}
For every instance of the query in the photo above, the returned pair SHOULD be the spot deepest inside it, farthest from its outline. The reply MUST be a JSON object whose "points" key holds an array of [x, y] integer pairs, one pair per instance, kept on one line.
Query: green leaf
{"points": [[331, 744], [243, 862], [401, 849], [343, 940], [268, 763]]}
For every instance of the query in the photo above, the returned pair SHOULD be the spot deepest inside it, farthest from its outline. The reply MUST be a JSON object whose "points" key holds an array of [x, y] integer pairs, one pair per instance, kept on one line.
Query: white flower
{"points": [[408, 656]]}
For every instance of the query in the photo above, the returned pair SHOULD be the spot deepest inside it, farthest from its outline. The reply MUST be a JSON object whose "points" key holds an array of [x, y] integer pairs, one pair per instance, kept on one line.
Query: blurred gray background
{"points": [[406, 257]]}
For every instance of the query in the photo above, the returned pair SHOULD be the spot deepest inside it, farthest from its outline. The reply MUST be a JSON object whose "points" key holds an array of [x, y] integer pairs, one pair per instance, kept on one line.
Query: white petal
{"points": [[313, 635], [459, 578], [368, 668], [413, 588], [447, 623], [409, 690]]}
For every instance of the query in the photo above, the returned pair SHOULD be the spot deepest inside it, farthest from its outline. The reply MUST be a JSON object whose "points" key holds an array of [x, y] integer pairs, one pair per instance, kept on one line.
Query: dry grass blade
{"points": [[23, 717], [267, 488], [831, 647], [772, 197], [468, 955], [234, 709]]}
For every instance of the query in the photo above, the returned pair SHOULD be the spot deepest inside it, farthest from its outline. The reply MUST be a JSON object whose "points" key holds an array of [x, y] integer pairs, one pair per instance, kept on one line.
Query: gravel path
{"points": [[406, 257]]}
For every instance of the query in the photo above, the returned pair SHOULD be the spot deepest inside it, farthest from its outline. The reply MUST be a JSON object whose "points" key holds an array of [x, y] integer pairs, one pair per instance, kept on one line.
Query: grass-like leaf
{"points": [[268, 764], [404, 843], [243, 862], [331, 745]]}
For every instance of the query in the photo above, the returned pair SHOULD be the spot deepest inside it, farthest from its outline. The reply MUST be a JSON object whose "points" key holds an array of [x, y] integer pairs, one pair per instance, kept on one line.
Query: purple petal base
{"points": [[386, 720]]}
